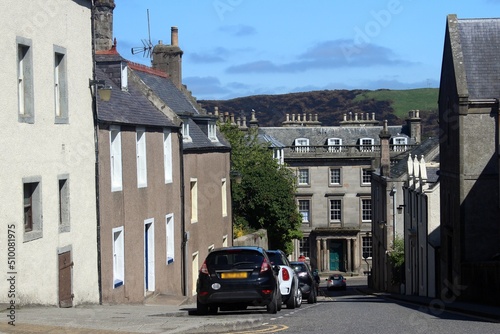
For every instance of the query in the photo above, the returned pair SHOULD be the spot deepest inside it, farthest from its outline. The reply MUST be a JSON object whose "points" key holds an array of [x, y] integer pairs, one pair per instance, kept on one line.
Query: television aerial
{"points": [[147, 45]]}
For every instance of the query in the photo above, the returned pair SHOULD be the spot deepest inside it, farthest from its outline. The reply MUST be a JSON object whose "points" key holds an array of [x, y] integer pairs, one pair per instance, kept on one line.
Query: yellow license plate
{"points": [[242, 274]]}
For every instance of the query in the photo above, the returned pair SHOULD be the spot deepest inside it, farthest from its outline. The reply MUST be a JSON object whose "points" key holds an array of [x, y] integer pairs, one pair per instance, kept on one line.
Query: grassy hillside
{"points": [[404, 100], [331, 105]]}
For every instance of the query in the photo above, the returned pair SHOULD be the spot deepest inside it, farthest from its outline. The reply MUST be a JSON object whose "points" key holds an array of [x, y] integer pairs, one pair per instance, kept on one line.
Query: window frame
{"points": [[365, 173], [396, 146], [367, 246], [366, 147], [305, 220], [61, 108], [25, 80], [167, 155], [212, 132], [301, 172], [64, 203], [142, 163], [118, 253], [330, 170], [35, 230], [338, 211], [115, 155], [301, 145], [170, 238], [364, 202], [224, 197], [194, 200], [334, 144]]}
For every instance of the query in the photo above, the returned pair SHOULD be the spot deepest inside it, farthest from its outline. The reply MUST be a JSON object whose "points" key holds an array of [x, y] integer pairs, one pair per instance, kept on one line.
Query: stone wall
{"points": [[258, 238]]}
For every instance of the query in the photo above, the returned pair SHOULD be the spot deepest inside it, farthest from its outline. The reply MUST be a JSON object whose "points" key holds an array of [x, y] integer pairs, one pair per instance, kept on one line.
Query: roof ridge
{"points": [[147, 69]]}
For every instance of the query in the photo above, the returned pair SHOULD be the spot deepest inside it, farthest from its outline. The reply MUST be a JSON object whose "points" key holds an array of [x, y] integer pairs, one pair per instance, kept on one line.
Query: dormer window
{"points": [[366, 144], [399, 144], [185, 132], [212, 132], [334, 145], [301, 145]]}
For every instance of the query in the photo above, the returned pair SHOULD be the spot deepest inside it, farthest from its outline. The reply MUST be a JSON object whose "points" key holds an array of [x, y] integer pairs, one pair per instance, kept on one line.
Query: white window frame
{"points": [[399, 144], [366, 144], [115, 149], [212, 132], [167, 155], [224, 197], [301, 145], [367, 244], [124, 76], [339, 176], [142, 164], [364, 209], [365, 172], [185, 132], [194, 200], [170, 237], [64, 203], [306, 219], [334, 145], [303, 177], [336, 210], [118, 242]]}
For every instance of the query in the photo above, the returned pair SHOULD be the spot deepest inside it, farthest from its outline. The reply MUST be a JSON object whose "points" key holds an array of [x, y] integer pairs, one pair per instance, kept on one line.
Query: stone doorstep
{"points": [[161, 299]]}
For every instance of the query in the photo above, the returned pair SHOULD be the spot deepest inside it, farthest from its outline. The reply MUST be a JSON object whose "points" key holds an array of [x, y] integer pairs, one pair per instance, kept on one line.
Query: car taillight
{"points": [[267, 291], [204, 268], [265, 266], [286, 274]]}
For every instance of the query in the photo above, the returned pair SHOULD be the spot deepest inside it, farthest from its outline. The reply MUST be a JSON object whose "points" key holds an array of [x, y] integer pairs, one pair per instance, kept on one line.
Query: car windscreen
{"points": [[299, 268], [235, 258], [275, 258]]}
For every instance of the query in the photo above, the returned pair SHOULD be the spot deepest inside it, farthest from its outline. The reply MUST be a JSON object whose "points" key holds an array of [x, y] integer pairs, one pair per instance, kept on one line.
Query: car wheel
{"points": [[201, 309], [279, 300], [272, 307], [213, 309], [298, 297], [312, 297], [291, 301]]}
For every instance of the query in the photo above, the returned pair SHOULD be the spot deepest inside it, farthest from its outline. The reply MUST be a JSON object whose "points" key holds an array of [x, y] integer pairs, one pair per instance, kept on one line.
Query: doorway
{"points": [[336, 256], [65, 273]]}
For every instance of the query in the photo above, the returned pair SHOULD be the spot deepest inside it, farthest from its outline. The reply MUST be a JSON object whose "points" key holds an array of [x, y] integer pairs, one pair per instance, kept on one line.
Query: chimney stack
{"points": [[168, 58], [103, 24], [385, 154]]}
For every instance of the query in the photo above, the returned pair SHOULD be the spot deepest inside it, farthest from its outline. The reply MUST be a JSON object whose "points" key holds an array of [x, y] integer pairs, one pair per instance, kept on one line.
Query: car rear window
{"points": [[275, 258], [299, 267], [235, 257]]}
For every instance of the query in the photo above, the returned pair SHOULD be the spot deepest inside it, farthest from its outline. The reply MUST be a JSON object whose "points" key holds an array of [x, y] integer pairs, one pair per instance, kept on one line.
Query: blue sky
{"points": [[235, 48]]}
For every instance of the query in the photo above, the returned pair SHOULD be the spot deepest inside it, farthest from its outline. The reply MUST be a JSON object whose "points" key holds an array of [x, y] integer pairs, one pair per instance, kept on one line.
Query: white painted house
{"points": [[48, 243]]}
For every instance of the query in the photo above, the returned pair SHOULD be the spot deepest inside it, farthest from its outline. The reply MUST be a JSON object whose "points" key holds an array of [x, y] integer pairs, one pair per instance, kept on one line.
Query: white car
{"points": [[289, 282]]}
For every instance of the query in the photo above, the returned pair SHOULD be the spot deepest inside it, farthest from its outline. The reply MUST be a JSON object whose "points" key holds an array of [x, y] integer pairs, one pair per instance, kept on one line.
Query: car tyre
{"points": [[298, 297], [291, 302], [279, 300], [201, 309], [311, 299], [272, 307]]}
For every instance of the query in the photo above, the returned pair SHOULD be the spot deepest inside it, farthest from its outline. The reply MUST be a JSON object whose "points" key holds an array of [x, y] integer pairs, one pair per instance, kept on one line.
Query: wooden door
{"points": [[65, 272]]}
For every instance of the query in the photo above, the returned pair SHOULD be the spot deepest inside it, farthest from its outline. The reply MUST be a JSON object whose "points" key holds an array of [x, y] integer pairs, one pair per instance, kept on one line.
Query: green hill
{"points": [[331, 105]]}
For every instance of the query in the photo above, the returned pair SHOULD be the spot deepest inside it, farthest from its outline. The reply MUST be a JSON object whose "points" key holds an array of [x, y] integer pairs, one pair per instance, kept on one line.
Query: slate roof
{"points": [[319, 135], [480, 44], [128, 107], [429, 149]]}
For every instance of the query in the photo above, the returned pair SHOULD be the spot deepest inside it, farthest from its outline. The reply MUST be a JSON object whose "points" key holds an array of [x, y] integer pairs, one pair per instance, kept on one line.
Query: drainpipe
{"points": [[184, 245], [96, 148], [393, 193]]}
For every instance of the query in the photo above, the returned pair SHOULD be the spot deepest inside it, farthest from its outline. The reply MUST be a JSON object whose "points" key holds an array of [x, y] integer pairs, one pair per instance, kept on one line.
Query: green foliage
{"points": [[265, 198], [397, 260]]}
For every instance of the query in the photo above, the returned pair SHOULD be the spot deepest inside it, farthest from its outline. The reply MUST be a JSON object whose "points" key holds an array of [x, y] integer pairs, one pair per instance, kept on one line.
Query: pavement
{"points": [[171, 314]]}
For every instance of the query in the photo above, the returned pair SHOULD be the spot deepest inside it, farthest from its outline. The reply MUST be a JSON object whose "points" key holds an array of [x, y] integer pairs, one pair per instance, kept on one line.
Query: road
{"points": [[353, 312]]}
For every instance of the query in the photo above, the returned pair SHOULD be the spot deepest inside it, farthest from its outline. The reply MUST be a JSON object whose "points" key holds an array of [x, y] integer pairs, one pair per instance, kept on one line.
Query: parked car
{"points": [[288, 279], [237, 277], [336, 281], [307, 282]]}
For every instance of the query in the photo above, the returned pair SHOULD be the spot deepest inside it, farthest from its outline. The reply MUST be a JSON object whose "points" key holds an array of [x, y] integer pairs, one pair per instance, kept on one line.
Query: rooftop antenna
{"points": [[147, 45]]}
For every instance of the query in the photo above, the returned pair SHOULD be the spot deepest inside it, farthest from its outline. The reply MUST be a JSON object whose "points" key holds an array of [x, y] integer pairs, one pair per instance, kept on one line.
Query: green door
{"points": [[336, 256]]}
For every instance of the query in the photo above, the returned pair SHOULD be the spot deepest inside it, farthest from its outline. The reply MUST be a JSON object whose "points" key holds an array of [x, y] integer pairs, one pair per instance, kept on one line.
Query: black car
{"points": [[307, 282], [237, 277]]}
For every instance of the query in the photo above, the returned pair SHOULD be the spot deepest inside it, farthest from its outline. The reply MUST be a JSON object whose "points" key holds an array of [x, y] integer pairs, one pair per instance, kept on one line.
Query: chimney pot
{"points": [[175, 36]]}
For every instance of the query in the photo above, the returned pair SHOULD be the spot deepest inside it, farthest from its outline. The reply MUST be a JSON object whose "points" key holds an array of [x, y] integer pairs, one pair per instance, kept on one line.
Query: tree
{"points": [[397, 260], [265, 198]]}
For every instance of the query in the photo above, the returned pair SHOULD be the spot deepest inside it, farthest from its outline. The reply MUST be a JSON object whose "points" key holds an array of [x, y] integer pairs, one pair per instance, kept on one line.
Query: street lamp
{"points": [[103, 90]]}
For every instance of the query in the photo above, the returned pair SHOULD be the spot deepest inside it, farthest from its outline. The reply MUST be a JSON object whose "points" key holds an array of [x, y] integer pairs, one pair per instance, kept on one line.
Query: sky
{"points": [[237, 48]]}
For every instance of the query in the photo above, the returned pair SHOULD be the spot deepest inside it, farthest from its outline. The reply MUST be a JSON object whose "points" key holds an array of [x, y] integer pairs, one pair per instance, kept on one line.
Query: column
{"points": [[318, 254], [349, 257], [325, 256], [357, 255]]}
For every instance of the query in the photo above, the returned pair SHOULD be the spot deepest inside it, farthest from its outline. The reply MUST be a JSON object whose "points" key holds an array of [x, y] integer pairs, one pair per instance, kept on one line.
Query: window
{"points": [[366, 144], [167, 155], [367, 247], [335, 176], [304, 247], [170, 238], [32, 204], [366, 209], [278, 154], [302, 145], [303, 176], [118, 257], [185, 132], [60, 86], [224, 197], [212, 132], [399, 143], [194, 200], [334, 145], [64, 225], [25, 91], [124, 76], [304, 209], [366, 176], [115, 139], [142, 173], [335, 210], [211, 248], [224, 241]]}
